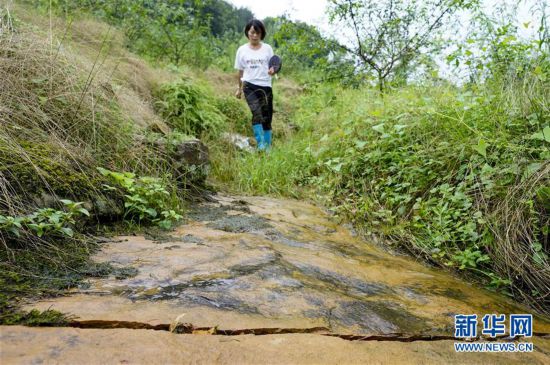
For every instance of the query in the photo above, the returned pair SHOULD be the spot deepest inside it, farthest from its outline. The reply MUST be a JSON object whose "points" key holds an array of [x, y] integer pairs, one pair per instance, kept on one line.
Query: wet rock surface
{"points": [[243, 263], [281, 260]]}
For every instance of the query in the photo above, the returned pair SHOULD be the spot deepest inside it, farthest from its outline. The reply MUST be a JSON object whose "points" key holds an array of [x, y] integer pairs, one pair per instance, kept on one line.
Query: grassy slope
{"points": [[73, 99]]}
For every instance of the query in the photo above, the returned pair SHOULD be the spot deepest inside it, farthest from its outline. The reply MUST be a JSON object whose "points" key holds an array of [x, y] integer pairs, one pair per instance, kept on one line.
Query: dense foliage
{"points": [[189, 109]]}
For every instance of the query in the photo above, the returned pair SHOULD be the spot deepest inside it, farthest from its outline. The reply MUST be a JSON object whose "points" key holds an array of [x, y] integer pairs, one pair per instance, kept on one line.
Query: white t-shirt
{"points": [[254, 63]]}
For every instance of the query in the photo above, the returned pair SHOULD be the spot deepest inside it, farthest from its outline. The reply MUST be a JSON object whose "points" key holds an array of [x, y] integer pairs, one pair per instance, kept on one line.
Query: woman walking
{"points": [[252, 61]]}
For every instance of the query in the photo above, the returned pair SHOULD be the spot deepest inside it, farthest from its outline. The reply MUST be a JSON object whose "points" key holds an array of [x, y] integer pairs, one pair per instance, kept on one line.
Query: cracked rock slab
{"points": [[247, 262], [23, 345]]}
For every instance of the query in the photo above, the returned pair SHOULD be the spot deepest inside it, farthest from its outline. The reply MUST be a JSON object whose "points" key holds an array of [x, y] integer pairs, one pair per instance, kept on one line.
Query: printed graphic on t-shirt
{"points": [[255, 63]]}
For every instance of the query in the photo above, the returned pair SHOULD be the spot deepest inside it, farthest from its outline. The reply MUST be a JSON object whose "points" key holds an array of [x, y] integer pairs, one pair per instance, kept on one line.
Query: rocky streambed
{"points": [[250, 279]]}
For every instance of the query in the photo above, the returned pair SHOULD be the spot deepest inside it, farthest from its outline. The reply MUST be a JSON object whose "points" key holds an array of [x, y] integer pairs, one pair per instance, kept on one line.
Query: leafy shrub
{"points": [[439, 174], [45, 221], [146, 198], [236, 113], [189, 109]]}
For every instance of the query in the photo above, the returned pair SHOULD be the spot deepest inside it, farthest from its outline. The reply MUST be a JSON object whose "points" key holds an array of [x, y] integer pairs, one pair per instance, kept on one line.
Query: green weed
{"points": [[146, 198], [189, 108], [45, 221]]}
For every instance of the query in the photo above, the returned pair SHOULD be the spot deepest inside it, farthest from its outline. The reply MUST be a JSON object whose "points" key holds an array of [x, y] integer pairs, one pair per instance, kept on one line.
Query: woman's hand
{"points": [[238, 93], [271, 71]]}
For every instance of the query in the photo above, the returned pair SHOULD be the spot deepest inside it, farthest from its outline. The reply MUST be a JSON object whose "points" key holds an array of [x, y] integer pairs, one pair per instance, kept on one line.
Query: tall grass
{"points": [[68, 105], [281, 171]]}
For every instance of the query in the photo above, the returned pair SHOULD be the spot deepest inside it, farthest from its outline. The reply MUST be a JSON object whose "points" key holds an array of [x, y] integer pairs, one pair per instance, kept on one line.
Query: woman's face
{"points": [[254, 35]]}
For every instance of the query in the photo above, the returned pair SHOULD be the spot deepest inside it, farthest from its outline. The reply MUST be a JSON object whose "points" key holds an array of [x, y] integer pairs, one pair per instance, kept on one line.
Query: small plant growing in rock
{"points": [[169, 217], [146, 198], [45, 221]]}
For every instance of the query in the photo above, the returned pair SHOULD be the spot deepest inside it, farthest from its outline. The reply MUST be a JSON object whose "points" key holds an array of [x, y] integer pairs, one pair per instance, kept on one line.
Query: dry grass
{"points": [[99, 49], [513, 250], [72, 99]]}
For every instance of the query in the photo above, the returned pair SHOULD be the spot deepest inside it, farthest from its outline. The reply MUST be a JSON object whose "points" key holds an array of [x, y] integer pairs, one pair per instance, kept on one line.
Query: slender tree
{"points": [[390, 35]]}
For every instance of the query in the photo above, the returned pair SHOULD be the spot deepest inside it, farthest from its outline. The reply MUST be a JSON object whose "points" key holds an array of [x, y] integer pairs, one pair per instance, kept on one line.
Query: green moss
{"points": [[105, 269], [47, 166], [10, 314], [35, 318], [35, 272]]}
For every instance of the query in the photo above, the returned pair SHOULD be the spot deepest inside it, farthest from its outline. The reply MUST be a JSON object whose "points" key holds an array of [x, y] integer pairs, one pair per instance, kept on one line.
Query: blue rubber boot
{"points": [[267, 139], [259, 135]]}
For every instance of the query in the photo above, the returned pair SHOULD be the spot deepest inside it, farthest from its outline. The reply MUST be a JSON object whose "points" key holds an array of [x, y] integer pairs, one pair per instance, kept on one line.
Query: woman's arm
{"points": [[240, 88]]}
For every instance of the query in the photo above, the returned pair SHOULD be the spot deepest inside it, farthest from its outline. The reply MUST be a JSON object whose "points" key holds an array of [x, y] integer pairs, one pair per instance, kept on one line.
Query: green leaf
{"points": [[54, 218], [15, 231], [67, 231], [543, 135], [540, 258], [509, 39], [108, 187], [537, 246], [379, 128], [103, 171], [165, 224], [83, 211], [531, 169], [481, 148], [400, 127]]}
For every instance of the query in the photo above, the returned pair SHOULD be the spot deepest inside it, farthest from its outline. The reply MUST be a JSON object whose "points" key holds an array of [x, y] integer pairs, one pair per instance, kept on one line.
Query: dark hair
{"points": [[257, 25]]}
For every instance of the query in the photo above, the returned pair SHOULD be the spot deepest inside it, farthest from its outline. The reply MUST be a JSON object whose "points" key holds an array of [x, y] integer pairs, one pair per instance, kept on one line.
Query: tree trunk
{"points": [[381, 86]]}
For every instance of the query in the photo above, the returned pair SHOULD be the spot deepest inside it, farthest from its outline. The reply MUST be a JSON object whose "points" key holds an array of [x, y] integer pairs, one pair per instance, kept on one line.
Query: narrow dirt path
{"points": [[263, 280]]}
